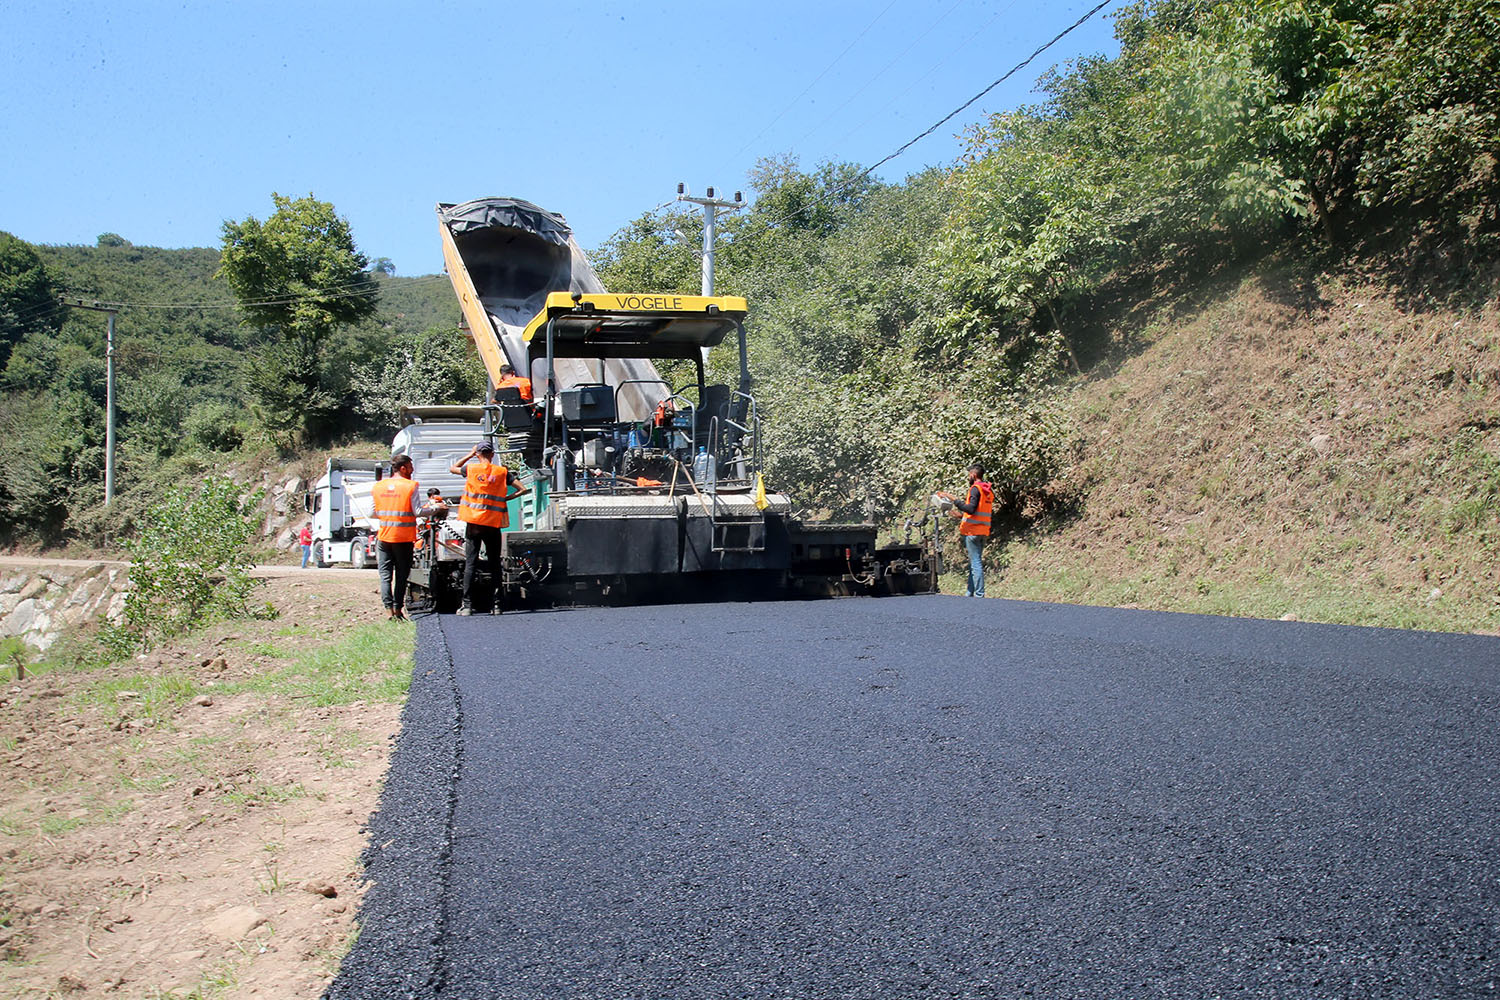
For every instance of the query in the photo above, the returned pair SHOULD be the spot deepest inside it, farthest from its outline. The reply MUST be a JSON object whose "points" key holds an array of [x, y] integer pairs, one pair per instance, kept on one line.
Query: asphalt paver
{"points": [[935, 797]]}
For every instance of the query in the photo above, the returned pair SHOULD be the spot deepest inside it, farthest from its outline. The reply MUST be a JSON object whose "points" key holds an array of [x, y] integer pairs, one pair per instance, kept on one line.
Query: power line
{"points": [[931, 26], [946, 118], [948, 55], [1010, 73], [346, 291]]}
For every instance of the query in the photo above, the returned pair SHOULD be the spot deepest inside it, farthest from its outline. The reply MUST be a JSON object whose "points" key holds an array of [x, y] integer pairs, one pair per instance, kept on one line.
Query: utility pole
{"points": [[109, 388], [711, 208]]}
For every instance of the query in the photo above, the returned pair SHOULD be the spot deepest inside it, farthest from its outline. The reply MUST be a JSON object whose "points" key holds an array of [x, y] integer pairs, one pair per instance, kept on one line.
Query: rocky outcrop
{"points": [[38, 603]]}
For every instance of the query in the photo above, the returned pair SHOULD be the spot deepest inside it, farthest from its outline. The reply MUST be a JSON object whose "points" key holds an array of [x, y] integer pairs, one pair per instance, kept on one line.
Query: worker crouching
{"points": [[487, 491]]}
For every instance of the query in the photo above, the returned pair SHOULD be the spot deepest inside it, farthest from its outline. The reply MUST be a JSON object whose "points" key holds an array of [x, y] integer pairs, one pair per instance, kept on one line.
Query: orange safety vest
{"points": [[978, 523], [392, 499], [517, 382], [485, 486]]}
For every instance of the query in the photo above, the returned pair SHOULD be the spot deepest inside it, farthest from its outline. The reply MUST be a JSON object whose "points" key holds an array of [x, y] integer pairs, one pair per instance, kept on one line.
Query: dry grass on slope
{"points": [[1300, 447]]}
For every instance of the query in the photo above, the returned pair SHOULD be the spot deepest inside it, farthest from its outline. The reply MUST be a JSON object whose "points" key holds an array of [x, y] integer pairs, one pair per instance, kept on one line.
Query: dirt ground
{"points": [[166, 833]]}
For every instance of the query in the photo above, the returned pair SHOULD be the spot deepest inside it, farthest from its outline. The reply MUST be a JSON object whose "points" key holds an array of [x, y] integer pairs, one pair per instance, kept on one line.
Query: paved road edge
{"points": [[399, 950]]}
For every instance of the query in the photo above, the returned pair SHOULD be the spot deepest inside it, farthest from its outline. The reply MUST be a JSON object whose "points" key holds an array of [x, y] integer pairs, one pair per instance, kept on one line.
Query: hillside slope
{"points": [[1302, 446]]}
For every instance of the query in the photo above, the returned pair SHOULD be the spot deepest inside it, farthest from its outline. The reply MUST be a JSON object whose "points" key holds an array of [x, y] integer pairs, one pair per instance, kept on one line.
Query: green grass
{"points": [[261, 794], [160, 695], [371, 663]]}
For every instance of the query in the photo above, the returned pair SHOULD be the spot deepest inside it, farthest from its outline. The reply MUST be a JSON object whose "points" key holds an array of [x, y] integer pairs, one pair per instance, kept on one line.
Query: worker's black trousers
{"points": [[393, 562], [476, 535]]}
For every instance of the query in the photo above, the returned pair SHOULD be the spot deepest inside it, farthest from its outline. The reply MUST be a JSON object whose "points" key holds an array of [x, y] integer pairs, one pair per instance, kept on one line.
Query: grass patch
{"points": [[371, 663], [262, 794], [154, 696]]}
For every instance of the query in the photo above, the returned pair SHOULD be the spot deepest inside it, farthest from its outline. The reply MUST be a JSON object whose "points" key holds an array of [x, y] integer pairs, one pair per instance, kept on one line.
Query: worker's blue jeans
{"points": [[973, 544]]}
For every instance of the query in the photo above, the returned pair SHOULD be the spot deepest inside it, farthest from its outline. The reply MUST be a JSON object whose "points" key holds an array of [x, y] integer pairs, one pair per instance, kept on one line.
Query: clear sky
{"points": [[159, 120]]}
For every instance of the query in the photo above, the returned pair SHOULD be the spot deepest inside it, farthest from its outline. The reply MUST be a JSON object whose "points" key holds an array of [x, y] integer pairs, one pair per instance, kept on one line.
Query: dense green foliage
{"points": [[183, 363], [903, 331], [899, 331], [190, 563]]}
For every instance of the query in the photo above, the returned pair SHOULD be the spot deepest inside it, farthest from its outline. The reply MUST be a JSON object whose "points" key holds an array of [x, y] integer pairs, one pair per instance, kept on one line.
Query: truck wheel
{"points": [[357, 557], [320, 560]]}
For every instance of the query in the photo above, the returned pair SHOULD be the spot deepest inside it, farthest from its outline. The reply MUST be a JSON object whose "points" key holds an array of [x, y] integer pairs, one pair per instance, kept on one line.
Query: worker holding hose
{"points": [[974, 524]]}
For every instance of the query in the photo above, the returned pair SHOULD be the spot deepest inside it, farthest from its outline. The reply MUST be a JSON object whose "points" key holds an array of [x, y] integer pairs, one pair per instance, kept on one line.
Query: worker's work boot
{"points": [[495, 610], [465, 611]]}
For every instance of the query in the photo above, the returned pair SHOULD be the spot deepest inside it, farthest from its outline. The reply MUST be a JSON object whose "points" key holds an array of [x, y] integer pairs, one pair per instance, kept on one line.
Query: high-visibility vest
{"points": [[485, 486], [978, 523], [392, 499], [516, 382]]}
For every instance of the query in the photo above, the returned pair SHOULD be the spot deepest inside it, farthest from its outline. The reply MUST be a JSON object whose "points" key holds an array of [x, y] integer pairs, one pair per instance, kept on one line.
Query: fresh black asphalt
{"points": [[935, 797]]}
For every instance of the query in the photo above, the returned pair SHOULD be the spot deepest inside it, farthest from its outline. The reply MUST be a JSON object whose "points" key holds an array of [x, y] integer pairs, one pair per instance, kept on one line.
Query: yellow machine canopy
{"points": [[600, 325]]}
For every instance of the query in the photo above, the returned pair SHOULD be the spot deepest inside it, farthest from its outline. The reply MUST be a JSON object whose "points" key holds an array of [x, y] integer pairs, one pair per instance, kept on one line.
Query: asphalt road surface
{"points": [[935, 797]]}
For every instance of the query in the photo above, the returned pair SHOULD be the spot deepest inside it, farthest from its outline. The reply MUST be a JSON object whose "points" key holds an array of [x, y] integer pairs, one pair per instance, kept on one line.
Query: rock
{"points": [[23, 618], [1289, 617], [33, 588], [294, 487], [28, 905], [1434, 594], [319, 889], [234, 923], [69, 983], [52, 910], [203, 701], [116, 610], [1321, 443]]}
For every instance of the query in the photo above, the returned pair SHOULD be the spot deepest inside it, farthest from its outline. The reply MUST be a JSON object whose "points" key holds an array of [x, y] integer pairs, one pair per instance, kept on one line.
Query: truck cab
{"points": [[339, 501]]}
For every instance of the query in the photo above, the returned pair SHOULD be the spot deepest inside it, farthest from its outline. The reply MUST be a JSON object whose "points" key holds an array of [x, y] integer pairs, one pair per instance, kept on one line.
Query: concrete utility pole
{"points": [[711, 208], [109, 389]]}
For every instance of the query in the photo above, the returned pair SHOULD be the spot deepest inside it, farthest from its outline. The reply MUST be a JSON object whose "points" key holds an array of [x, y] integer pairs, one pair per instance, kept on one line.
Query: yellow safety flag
{"points": [[761, 503]]}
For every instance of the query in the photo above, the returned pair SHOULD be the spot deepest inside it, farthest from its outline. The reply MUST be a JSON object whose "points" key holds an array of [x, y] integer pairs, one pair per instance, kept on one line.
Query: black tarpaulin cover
{"points": [[486, 213]]}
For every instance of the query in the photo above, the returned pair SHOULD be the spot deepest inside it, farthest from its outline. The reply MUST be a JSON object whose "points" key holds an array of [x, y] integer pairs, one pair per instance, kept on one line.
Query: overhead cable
{"points": [[862, 175]]}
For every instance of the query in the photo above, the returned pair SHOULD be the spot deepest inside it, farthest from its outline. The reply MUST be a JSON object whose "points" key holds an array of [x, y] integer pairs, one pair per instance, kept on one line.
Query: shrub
{"points": [[190, 564]]}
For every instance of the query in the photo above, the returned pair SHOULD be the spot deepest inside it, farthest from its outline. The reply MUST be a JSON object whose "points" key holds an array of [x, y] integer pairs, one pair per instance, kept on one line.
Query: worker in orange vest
{"points": [[974, 524], [487, 490], [395, 503], [510, 380]]}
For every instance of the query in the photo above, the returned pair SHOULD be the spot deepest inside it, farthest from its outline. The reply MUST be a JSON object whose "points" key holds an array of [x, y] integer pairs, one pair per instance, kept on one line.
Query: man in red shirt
{"points": [[304, 539]]}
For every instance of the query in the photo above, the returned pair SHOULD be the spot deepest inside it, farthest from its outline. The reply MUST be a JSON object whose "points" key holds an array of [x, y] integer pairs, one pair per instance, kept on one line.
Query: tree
{"points": [[112, 240], [28, 300], [299, 276], [433, 367]]}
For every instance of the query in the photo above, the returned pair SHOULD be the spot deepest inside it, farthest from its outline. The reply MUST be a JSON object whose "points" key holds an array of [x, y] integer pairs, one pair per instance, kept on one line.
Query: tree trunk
{"points": [[1072, 356], [1330, 231]]}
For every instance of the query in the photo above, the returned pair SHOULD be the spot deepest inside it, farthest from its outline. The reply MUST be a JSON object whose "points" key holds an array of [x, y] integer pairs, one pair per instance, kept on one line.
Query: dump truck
{"points": [[633, 488]]}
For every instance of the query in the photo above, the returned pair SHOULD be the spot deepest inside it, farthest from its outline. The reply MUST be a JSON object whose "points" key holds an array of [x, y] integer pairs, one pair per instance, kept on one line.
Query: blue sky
{"points": [[158, 121]]}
